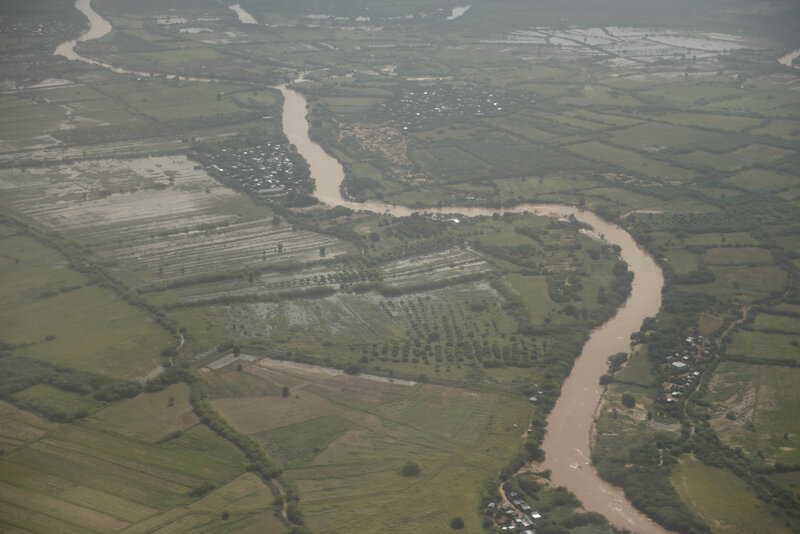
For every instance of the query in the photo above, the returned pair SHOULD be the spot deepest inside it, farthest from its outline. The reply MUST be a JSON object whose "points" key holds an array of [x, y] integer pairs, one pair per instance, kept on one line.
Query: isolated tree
{"points": [[628, 400], [285, 392], [280, 247], [457, 523], [411, 469]]}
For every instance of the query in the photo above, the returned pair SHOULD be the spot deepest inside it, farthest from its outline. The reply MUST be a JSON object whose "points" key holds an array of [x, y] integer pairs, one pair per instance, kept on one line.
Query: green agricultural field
{"points": [[149, 417], [659, 136], [59, 316], [771, 322], [720, 497], [92, 480], [755, 345], [638, 370], [738, 256], [360, 432], [761, 179], [615, 158], [755, 410]]}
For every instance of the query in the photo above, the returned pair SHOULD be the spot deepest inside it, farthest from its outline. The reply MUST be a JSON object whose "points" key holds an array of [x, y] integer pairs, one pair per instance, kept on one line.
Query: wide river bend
{"points": [[568, 437]]}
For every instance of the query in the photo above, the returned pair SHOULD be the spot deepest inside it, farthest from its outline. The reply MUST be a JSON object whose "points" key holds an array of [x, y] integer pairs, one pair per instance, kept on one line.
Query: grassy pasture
{"points": [[732, 238], [745, 282], [738, 256], [632, 161], [728, 123], [722, 499], [524, 124], [458, 438], [92, 327], [763, 100], [606, 118], [49, 399], [166, 100], [149, 416], [297, 444], [229, 382], [19, 427], [638, 370], [763, 400], [731, 161], [760, 179], [88, 480], [784, 129], [658, 135], [755, 344], [768, 321]]}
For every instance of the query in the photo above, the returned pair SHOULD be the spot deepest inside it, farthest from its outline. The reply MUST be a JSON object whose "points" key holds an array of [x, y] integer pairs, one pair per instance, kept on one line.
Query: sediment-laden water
{"points": [[569, 428]]}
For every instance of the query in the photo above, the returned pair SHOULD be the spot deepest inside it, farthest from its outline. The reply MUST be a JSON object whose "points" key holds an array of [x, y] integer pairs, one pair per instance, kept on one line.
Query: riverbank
{"points": [[567, 441]]}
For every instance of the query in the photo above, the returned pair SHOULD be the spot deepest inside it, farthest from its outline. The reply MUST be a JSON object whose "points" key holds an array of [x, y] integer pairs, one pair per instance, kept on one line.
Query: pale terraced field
{"points": [[440, 265], [158, 219]]}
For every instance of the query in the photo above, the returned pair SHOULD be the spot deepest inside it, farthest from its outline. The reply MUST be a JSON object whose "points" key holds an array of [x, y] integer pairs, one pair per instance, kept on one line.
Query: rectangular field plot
{"points": [[738, 256], [53, 314], [115, 192], [719, 496], [772, 322], [18, 427], [748, 282], [350, 476], [756, 409], [749, 155], [781, 128], [657, 136], [82, 480], [149, 416], [631, 160], [761, 179], [163, 259], [438, 266], [158, 220], [707, 120], [757, 345], [370, 317], [431, 270]]}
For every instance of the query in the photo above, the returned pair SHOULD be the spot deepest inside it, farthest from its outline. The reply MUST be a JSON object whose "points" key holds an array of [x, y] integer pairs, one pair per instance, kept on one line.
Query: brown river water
{"points": [[568, 437]]}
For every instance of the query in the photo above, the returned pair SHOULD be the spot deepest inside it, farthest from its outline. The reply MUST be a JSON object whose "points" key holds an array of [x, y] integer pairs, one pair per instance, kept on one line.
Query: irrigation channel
{"points": [[567, 442]]}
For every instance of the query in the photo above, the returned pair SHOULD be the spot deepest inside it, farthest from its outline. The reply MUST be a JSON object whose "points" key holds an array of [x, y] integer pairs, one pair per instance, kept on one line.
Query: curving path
{"points": [[569, 426]]}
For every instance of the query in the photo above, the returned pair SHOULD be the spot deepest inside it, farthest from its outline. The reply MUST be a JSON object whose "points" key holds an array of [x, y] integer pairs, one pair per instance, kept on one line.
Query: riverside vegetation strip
{"points": [[694, 190]]}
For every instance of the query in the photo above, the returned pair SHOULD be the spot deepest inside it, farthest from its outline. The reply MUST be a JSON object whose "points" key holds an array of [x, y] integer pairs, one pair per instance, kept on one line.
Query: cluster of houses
{"points": [[264, 170], [686, 366], [517, 516], [416, 107]]}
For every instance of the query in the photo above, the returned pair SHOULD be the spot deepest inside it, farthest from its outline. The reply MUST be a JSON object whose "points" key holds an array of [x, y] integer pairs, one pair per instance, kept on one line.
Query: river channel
{"points": [[568, 437]]}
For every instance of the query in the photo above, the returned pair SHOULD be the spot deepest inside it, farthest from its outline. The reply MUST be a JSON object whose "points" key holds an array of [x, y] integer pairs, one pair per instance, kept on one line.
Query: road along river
{"points": [[567, 442]]}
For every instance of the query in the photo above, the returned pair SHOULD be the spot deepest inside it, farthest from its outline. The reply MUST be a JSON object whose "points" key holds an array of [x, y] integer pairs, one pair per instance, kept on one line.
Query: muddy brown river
{"points": [[567, 441]]}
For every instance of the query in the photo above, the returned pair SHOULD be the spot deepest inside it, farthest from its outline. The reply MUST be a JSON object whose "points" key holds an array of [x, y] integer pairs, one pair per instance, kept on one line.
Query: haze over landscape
{"points": [[367, 267]]}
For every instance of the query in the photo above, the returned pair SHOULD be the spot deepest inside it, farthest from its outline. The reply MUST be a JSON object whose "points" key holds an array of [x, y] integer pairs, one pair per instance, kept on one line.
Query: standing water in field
{"points": [[789, 58], [569, 426], [244, 16], [458, 11]]}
